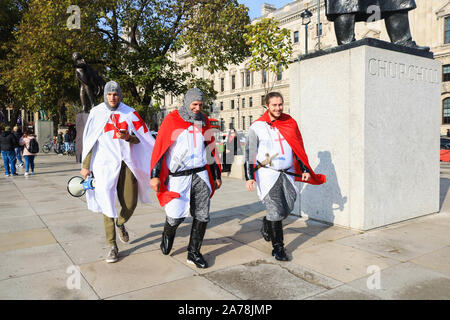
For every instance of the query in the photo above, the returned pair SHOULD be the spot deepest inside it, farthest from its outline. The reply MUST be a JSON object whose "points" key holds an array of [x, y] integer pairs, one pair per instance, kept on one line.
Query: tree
{"points": [[270, 47], [10, 17], [130, 41]]}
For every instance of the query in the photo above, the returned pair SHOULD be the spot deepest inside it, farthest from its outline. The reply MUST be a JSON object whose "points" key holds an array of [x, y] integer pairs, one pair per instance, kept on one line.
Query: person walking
{"points": [[8, 143], [27, 155], [116, 149], [185, 173], [275, 158], [19, 149]]}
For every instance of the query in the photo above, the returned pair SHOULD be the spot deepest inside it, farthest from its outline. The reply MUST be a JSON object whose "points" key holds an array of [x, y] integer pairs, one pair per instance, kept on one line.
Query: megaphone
{"points": [[77, 186]]}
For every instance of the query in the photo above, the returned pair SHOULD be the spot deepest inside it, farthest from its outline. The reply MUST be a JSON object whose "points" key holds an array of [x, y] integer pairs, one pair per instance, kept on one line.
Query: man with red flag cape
{"points": [[185, 173], [275, 159], [116, 148]]}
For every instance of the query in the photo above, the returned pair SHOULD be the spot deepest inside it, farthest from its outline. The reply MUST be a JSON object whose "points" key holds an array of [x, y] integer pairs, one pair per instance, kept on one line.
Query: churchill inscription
{"points": [[400, 70]]}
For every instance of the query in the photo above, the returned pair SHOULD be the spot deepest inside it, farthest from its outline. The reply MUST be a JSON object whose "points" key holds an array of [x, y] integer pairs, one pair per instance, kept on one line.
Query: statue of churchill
{"points": [[345, 13]]}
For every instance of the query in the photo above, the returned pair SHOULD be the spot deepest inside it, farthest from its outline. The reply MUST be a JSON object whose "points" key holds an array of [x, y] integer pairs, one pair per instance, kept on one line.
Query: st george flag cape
{"points": [[289, 129], [170, 129], [106, 159]]}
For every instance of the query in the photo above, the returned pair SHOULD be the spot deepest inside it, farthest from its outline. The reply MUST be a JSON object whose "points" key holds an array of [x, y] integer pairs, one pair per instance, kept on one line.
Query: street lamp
{"points": [[306, 19], [239, 115]]}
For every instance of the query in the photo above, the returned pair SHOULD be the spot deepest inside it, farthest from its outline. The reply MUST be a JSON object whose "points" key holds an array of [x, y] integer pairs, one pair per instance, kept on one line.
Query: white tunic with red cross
{"points": [[108, 152], [186, 152], [271, 142]]}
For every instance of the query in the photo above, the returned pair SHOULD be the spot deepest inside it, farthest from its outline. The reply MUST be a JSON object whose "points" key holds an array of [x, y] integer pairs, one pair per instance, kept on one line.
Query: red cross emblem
{"points": [[138, 124], [193, 133], [115, 125], [280, 139]]}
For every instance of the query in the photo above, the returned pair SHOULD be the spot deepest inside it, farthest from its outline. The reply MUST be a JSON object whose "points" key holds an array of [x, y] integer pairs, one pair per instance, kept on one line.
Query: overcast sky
{"points": [[255, 6]]}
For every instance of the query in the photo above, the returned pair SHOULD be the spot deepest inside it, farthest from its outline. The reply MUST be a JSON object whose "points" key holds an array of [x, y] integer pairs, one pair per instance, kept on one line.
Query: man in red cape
{"points": [[185, 173], [275, 159]]}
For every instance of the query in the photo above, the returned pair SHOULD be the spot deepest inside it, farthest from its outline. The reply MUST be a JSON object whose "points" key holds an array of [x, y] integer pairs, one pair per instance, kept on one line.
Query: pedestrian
{"points": [[67, 141], [27, 155], [185, 173], [274, 140], [8, 143], [17, 131], [116, 150], [59, 143], [231, 149]]}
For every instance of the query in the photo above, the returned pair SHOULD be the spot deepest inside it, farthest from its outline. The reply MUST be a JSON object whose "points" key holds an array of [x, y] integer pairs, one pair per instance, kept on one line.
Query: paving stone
{"points": [[344, 292], [190, 288], [25, 239], [402, 243], [407, 281], [133, 272], [15, 224], [31, 287], [438, 260], [338, 261], [262, 281], [32, 260]]}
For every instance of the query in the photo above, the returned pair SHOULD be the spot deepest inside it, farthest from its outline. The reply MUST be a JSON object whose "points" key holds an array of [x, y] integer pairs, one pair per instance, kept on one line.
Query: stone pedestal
{"points": [[237, 168], [369, 114], [44, 131], [80, 122]]}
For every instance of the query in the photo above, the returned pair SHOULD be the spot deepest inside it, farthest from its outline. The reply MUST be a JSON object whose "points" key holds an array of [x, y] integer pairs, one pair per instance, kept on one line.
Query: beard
{"points": [[275, 115]]}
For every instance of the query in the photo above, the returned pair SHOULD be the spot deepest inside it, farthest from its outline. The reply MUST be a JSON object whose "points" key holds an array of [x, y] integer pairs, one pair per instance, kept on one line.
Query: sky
{"points": [[255, 6]]}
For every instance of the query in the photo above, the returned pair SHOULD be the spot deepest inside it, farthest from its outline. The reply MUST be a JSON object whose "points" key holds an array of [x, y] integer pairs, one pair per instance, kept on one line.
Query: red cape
{"points": [[290, 131], [169, 131]]}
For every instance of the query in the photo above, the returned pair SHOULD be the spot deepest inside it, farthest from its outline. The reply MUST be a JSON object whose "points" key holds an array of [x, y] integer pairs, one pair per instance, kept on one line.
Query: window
{"points": [[279, 74], [30, 116], [233, 82], [264, 76], [262, 100], [250, 101], [243, 102], [446, 73], [222, 124], [447, 30], [295, 36], [247, 79], [250, 119], [221, 105], [319, 29], [222, 84], [446, 111], [243, 123], [232, 104], [232, 123]]}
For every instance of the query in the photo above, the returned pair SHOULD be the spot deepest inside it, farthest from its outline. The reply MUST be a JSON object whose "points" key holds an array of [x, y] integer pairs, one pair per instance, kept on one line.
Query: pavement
{"points": [[52, 247]]}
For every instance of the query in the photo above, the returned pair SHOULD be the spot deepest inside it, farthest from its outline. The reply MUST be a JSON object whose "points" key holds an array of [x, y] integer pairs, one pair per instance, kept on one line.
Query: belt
{"points": [[187, 172]]}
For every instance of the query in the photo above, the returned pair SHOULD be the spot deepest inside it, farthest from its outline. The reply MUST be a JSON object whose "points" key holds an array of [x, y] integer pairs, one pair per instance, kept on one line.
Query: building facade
{"points": [[240, 97]]}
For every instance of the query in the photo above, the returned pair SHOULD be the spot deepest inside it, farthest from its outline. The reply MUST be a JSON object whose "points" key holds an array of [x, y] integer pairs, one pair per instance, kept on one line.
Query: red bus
{"points": [[214, 123]]}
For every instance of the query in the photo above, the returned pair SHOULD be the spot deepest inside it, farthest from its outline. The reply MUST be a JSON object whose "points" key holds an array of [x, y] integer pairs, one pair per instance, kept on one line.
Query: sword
{"points": [[268, 161]]}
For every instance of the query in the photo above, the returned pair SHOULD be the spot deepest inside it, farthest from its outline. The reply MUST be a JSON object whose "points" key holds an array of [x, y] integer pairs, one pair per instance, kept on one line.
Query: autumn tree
{"points": [[131, 42], [270, 47]]}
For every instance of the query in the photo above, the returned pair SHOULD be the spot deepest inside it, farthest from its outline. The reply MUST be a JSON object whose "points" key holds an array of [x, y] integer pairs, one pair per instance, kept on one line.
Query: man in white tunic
{"points": [[185, 173], [117, 146], [274, 157]]}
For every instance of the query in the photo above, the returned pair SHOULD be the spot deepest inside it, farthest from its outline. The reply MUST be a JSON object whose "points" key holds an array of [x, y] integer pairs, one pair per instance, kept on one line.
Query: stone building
{"points": [[241, 92]]}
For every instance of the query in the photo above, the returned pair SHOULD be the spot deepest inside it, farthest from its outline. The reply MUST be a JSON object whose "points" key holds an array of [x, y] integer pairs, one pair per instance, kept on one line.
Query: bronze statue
{"points": [[91, 84], [345, 13]]}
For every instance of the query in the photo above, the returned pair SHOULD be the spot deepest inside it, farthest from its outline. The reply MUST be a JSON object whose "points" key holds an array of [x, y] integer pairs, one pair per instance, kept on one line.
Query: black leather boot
{"points": [[265, 229], [167, 238], [344, 27], [195, 243], [276, 235], [397, 26]]}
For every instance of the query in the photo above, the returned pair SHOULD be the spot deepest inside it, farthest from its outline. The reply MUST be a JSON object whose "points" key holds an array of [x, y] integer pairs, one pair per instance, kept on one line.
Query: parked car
{"points": [[445, 150]]}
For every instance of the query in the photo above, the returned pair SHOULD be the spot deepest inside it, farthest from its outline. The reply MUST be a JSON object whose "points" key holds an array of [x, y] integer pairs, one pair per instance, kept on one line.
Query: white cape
{"points": [[108, 155]]}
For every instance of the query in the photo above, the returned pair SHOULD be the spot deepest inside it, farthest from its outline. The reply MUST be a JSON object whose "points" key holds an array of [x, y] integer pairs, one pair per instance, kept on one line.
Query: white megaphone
{"points": [[77, 186]]}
